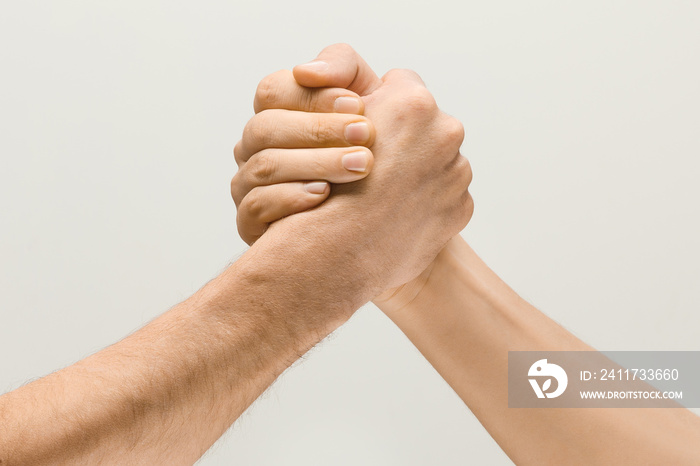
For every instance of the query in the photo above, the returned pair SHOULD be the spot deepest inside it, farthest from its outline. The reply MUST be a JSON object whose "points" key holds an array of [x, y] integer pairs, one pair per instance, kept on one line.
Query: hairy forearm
{"points": [[164, 394], [465, 320]]}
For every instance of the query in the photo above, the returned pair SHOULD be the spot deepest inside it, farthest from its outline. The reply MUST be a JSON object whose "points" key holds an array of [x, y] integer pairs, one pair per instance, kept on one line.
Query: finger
{"points": [[280, 90], [286, 129], [238, 153], [266, 204], [338, 65], [273, 166]]}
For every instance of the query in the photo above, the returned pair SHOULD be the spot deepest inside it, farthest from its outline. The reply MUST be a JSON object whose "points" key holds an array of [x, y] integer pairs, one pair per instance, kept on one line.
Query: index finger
{"points": [[281, 91]]}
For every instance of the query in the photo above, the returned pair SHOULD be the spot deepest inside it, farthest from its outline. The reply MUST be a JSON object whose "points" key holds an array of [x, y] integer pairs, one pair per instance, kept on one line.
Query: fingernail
{"points": [[317, 187], [315, 65], [355, 161], [357, 133], [347, 105]]}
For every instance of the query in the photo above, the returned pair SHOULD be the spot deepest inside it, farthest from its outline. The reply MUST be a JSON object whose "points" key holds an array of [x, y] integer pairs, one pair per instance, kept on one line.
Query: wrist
{"points": [[306, 276], [432, 285]]}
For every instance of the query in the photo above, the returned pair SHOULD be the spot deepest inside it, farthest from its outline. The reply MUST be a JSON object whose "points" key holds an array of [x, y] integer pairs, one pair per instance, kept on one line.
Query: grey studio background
{"points": [[118, 121]]}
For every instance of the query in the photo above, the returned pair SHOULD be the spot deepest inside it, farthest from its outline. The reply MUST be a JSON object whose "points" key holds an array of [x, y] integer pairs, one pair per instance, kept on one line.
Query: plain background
{"points": [[117, 123]]}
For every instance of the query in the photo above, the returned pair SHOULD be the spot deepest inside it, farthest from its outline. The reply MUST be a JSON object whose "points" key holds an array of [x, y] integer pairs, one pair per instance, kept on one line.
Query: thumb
{"points": [[338, 65]]}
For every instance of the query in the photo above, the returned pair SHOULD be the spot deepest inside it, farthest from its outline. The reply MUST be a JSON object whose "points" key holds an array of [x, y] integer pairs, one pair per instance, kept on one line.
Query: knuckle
{"points": [[405, 77], [418, 101], [454, 131], [261, 168], [464, 169], [397, 71], [411, 74], [233, 185], [235, 182], [251, 208], [267, 95], [404, 73], [393, 73], [267, 92], [460, 212], [238, 153], [256, 133], [238, 189], [341, 48]]}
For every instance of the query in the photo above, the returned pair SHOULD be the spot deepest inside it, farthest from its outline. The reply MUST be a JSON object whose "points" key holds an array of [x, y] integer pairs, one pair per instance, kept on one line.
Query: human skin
{"points": [[256, 187], [165, 393], [464, 320], [344, 160], [424, 162]]}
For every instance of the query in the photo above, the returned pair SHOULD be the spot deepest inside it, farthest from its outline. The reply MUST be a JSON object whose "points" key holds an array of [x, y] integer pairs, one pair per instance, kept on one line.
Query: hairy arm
{"points": [[465, 320], [164, 394]]}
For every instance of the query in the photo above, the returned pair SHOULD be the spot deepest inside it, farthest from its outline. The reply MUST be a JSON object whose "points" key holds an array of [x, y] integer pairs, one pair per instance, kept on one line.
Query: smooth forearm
{"points": [[465, 320], [164, 394]]}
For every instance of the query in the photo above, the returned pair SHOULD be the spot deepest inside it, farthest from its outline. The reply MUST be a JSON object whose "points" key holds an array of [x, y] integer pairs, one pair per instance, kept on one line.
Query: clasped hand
{"points": [[332, 141]]}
